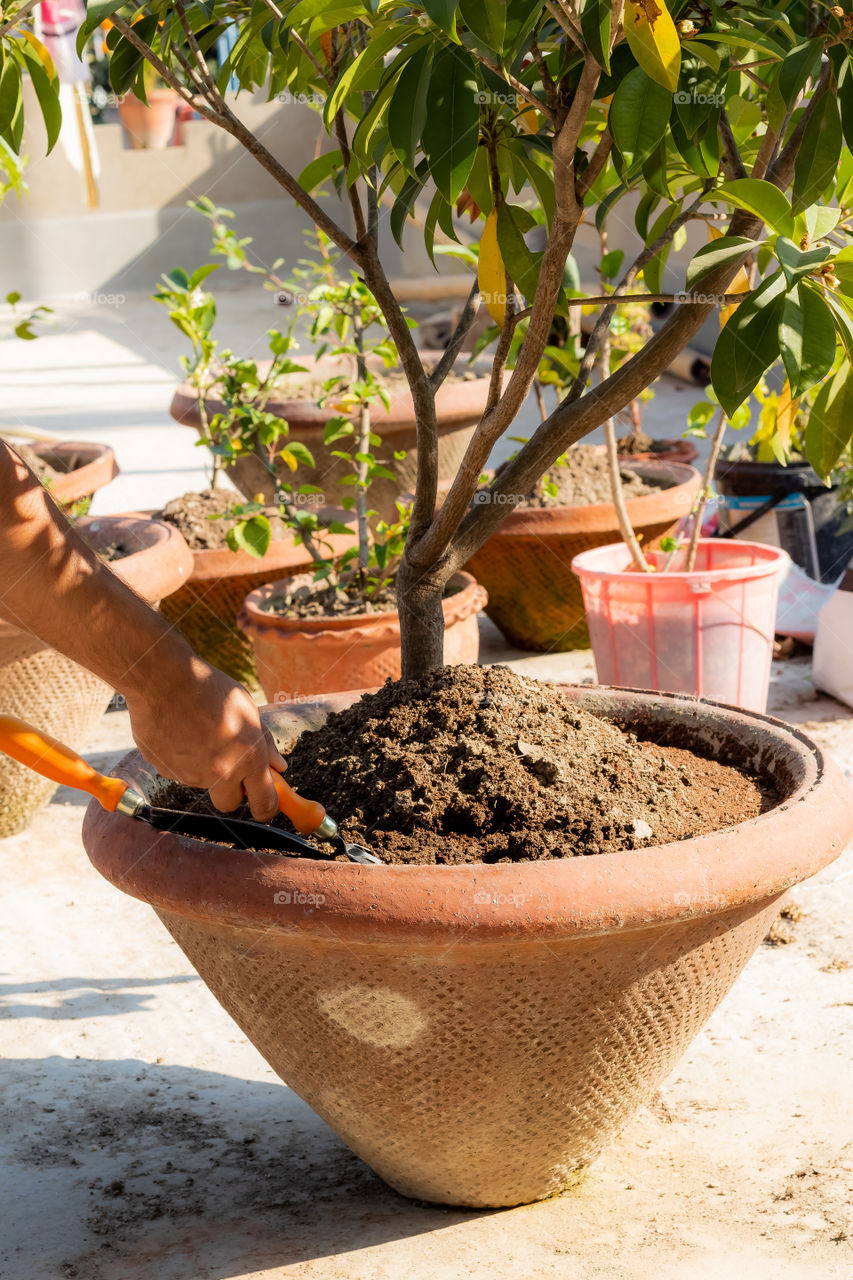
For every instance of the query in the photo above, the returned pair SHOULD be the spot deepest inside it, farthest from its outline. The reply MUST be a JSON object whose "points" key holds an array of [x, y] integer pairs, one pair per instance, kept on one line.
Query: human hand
{"points": [[199, 727]]}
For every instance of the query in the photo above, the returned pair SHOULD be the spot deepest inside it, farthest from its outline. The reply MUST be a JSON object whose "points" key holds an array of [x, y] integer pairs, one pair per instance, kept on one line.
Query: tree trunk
{"points": [[419, 597]]}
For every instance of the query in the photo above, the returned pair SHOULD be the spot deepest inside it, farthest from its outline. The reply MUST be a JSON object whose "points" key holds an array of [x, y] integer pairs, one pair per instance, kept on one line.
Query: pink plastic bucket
{"points": [[708, 632]]}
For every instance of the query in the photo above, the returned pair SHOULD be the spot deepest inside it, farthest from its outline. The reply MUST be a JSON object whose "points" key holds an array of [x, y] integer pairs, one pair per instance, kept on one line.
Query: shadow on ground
{"points": [[121, 1169]]}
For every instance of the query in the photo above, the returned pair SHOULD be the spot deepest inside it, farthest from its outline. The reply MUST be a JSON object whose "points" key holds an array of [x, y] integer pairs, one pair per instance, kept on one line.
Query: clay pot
{"points": [[149, 127], [55, 694], [668, 451], [305, 657], [478, 1033], [83, 468], [204, 608], [534, 597], [459, 406]]}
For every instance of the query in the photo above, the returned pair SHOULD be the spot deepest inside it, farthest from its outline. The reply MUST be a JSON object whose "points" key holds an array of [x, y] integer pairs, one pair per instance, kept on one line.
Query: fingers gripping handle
{"points": [[307, 816], [43, 754]]}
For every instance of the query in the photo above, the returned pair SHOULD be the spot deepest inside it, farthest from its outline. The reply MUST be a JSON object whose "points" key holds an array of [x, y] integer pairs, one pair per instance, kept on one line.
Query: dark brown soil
{"points": [[478, 764], [193, 515], [639, 442], [584, 479], [115, 551], [301, 597]]}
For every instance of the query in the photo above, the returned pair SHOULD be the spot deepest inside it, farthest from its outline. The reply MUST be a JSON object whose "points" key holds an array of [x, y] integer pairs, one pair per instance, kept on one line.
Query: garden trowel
{"points": [[43, 754]]}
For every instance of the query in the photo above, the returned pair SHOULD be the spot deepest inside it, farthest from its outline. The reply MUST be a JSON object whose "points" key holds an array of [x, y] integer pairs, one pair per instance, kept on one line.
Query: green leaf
{"points": [[408, 111], [96, 12], [487, 22], [252, 535], [358, 71], [796, 68], [797, 263], [300, 452], [806, 338], [761, 198], [719, 253], [639, 115], [336, 429], [843, 323], [817, 158], [830, 422], [521, 263], [820, 220], [595, 27], [452, 125], [320, 169], [748, 343], [842, 265], [10, 94], [443, 14]]}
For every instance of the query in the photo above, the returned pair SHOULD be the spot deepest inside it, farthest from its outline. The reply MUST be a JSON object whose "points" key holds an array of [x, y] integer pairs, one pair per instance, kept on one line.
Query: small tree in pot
{"points": [[580, 106]]}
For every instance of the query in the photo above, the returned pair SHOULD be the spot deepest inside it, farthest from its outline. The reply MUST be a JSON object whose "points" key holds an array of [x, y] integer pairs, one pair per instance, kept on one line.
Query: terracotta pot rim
{"points": [[254, 620], [774, 561], [548, 901], [157, 569], [537, 522], [98, 470]]}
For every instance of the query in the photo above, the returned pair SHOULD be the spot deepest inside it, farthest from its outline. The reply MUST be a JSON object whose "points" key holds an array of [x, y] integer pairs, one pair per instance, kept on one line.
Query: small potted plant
{"points": [[147, 110], [269, 393]]}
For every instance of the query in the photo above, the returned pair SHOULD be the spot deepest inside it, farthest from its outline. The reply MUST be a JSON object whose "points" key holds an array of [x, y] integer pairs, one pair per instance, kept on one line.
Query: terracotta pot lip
{"points": [[773, 561], [155, 570], [535, 521], [532, 902], [255, 618], [454, 401], [98, 469]]}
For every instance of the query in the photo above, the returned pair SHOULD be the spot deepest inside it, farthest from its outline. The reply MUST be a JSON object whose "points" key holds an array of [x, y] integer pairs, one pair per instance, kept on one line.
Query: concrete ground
{"points": [[144, 1138]]}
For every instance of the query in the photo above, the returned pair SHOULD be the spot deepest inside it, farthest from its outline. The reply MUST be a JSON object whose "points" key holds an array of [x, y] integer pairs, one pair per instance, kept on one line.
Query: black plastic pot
{"points": [[808, 530]]}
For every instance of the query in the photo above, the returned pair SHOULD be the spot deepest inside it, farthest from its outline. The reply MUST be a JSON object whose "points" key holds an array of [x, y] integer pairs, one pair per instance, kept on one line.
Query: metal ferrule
{"points": [[130, 803], [327, 829]]}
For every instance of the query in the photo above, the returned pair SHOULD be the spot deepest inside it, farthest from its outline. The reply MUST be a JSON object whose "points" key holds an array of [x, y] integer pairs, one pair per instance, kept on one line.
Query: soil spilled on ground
{"points": [[584, 479], [195, 516], [478, 764]]}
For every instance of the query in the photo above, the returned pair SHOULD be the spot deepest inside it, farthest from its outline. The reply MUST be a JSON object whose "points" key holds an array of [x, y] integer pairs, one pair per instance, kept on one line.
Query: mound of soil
{"points": [[193, 515], [478, 764], [584, 479]]}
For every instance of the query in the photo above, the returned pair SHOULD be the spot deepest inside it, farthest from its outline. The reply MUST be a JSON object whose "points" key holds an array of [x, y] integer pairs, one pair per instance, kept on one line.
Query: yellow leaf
{"points": [[491, 272], [786, 415], [740, 284], [653, 40], [529, 120], [288, 459]]}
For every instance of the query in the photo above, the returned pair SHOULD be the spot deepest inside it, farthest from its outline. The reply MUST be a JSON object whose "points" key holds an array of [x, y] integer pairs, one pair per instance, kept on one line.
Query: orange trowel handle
{"points": [[306, 815], [43, 754]]}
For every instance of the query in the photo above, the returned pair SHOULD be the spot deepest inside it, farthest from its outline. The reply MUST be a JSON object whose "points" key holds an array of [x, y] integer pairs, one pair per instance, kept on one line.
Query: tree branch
{"points": [[735, 167], [454, 346], [25, 8], [520, 90]]}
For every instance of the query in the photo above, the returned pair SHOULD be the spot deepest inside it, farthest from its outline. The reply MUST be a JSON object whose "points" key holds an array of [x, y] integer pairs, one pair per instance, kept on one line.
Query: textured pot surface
{"points": [[458, 406], [534, 597], [205, 607], [83, 468], [149, 126], [55, 694], [477, 1033], [307, 657]]}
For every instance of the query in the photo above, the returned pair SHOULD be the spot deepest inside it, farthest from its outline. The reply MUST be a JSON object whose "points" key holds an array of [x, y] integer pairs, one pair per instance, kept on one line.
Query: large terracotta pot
{"points": [[151, 126], [82, 466], [477, 1033], [205, 606], [299, 657], [459, 406], [55, 694], [534, 597]]}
